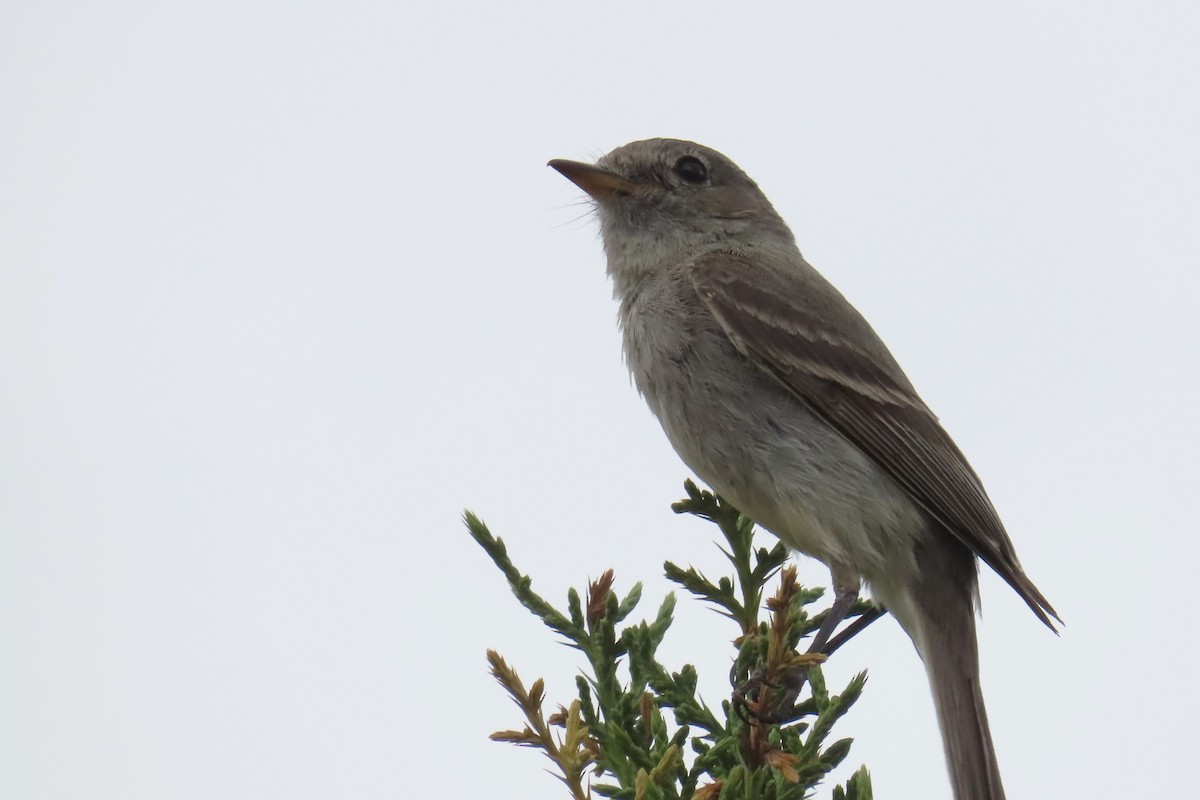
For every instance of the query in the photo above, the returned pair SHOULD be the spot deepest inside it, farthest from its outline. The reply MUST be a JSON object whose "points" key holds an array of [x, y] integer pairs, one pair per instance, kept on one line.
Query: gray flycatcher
{"points": [[781, 397]]}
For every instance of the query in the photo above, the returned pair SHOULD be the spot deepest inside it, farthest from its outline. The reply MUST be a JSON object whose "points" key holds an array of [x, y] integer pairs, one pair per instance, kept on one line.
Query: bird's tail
{"points": [[945, 612]]}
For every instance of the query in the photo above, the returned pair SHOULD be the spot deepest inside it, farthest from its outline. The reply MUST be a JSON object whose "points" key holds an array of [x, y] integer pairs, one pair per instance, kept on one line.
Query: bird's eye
{"points": [[691, 169]]}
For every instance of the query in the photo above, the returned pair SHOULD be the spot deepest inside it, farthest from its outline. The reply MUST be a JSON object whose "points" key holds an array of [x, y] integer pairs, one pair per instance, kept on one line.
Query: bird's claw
{"points": [[750, 703]]}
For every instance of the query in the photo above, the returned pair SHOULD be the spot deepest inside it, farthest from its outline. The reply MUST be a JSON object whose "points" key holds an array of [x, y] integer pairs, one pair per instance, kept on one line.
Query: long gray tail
{"points": [[945, 607]]}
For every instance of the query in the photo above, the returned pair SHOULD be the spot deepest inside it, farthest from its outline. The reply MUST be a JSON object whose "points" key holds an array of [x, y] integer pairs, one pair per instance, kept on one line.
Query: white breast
{"points": [[753, 442]]}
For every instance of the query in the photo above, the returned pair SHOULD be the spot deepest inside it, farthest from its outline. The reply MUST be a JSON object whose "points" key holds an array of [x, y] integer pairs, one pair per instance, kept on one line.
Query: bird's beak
{"points": [[597, 182]]}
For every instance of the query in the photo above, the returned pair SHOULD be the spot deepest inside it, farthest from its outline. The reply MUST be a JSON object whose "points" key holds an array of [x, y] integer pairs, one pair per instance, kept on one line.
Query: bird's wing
{"points": [[781, 319]]}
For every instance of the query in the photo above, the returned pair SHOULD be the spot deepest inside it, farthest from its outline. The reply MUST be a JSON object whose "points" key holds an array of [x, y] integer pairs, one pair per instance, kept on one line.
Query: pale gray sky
{"points": [[285, 286]]}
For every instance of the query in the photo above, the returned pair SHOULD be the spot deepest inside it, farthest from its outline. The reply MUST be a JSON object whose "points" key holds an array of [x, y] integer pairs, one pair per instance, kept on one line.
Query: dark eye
{"points": [[691, 169]]}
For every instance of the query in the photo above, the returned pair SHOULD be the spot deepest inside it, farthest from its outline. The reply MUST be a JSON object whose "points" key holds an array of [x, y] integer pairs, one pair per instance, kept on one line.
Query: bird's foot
{"points": [[769, 696]]}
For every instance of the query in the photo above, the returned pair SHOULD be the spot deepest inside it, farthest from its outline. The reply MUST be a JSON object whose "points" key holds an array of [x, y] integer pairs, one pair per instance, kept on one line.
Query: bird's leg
{"points": [[853, 629], [748, 696], [846, 585], [791, 680]]}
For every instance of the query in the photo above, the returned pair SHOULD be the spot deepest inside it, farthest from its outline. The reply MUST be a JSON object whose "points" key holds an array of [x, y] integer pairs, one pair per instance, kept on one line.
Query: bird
{"points": [[776, 392]]}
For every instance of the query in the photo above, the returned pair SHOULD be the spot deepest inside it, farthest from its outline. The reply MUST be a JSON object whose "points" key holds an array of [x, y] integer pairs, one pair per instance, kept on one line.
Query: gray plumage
{"points": [[781, 397]]}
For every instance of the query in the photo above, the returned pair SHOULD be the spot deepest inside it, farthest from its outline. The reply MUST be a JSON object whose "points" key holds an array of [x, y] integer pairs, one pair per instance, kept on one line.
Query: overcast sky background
{"points": [[285, 286]]}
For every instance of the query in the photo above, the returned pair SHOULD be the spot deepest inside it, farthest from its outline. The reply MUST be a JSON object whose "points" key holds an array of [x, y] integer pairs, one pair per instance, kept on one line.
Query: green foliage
{"points": [[759, 745]]}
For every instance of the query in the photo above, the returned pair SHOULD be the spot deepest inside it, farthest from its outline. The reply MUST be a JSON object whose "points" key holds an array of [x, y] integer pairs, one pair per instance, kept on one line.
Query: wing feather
{"points": [[781, 320]]}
